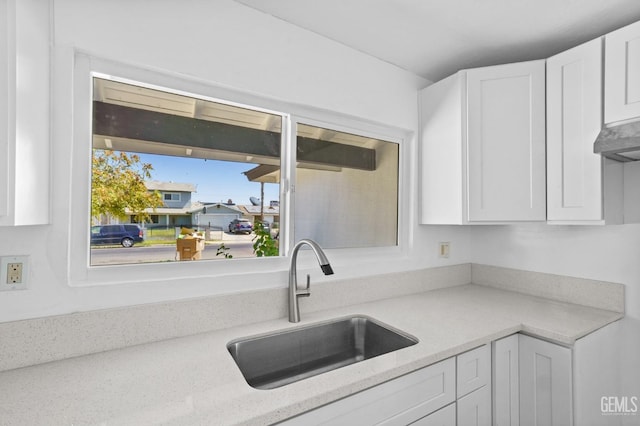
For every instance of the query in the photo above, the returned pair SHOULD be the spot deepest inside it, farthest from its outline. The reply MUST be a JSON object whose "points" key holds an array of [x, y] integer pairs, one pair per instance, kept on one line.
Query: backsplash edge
{"points": [[580, 291], [36, 341]]}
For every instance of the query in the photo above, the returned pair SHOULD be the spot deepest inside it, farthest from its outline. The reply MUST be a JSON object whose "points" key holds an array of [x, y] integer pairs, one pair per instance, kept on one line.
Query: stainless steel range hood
{"points": [[620, 142]]}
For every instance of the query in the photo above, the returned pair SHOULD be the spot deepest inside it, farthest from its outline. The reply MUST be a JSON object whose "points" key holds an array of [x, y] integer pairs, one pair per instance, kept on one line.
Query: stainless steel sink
{"points": [[274, 360]]}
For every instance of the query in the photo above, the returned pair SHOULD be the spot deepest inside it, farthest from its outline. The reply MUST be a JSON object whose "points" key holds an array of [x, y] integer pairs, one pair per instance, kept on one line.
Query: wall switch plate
{"points": [[443, 249], [13, 273]]}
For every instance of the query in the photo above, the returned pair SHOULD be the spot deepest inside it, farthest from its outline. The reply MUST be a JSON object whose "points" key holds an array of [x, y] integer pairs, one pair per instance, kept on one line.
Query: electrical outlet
{"points": [[444, 250], [13, 272]]}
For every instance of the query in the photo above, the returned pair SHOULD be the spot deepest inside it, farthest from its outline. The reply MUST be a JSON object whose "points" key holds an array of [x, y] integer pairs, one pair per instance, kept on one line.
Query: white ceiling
{"points": [[434, 38]]}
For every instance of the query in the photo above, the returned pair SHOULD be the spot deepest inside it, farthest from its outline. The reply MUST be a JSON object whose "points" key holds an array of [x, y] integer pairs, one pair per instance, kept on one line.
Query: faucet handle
{"points": [[307, 290]]}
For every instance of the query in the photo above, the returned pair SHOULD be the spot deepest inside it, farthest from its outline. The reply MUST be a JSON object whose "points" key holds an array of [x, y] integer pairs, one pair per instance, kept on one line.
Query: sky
{"points": [[215, 180]]}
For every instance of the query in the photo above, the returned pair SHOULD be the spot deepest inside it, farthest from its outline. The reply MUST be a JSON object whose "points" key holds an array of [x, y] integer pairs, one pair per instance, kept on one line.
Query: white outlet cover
{"points": [[444, 249], [4, 261]]}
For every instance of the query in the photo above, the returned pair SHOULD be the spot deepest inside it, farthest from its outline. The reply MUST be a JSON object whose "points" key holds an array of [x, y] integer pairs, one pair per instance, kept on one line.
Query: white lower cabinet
{"points": [[475, 409], [532, 382], [545, 383], [474, 387], [506, 395], [473, 370], [443, 417], [401, 401], [515, 381], [425, 397]]}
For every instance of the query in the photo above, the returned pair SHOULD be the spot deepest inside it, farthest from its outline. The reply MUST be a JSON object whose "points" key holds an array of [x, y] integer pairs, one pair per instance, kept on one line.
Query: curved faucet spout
{"points": [[294, 292]]}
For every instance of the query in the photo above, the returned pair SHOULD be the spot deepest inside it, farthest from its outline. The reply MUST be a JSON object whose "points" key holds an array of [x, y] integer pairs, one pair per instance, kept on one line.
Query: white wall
{"points": [[357, 210], [607, 253], [230, 45], [223, 42], [226, 44]]}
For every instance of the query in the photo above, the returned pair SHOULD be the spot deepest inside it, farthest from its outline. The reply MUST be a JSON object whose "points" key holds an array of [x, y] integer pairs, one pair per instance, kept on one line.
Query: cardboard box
{"points": [[190, 248]]}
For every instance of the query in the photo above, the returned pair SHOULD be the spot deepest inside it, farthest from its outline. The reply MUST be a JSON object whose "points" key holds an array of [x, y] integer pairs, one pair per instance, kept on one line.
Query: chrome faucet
{"points": [[294, 293]]}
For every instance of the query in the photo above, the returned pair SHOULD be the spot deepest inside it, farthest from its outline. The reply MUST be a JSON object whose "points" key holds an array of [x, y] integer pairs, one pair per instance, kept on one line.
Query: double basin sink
{"points": [[283, 357]]}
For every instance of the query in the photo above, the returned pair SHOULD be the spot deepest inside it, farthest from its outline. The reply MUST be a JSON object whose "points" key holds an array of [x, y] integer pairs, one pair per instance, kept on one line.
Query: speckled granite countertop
{"points": [[194, 381]]}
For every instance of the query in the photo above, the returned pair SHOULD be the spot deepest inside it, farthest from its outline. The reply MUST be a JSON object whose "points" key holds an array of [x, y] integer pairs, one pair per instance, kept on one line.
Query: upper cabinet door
{"points": [[24, 112], [622, 74], [506, 142], [574, 111], [483, 146], [6, 62], [442, 167]]}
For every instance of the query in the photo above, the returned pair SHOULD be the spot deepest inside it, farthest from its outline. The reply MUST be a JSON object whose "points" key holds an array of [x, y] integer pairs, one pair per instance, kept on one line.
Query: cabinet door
{"points": [[443, 417], [473, 370], [5, 136], [441, 167], [506, 142], [545, 383], [506, 402], [574, 111], [397, 402], [622, 74], [475, 408], [24, 112]]}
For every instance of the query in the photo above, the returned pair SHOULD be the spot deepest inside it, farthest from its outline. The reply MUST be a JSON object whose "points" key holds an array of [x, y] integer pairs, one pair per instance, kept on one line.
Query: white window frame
{"points": [[178, 198], [84, 67]]}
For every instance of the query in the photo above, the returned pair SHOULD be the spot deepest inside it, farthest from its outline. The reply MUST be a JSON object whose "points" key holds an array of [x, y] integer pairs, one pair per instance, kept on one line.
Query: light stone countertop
{"points": [[194, 381]]}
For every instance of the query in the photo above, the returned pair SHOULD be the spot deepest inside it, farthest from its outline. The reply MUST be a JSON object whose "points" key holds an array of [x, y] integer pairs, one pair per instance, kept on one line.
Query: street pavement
{"points": [[239, 246]]}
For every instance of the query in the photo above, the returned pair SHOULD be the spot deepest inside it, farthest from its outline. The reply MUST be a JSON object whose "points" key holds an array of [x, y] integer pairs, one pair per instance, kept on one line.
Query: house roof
{"points": [[255, 210], [195, 207], [214, 207], [169, 211], [155, 185]]}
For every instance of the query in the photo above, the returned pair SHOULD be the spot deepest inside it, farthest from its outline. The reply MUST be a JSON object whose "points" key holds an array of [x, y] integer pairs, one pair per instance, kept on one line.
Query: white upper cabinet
{"points": [[483, 146], [622, 74], [6, 62], [506, 142], [24, 112], [442, 164], [575, 175]]}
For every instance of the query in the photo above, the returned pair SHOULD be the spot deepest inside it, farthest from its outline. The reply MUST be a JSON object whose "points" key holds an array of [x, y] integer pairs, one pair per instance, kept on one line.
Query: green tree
{"points": [[117, 186], [263, 243]]}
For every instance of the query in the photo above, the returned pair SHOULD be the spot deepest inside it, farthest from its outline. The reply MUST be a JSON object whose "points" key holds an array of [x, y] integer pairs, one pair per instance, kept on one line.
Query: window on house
{"points": [[346, 189], [189, 178], [197, 177]]}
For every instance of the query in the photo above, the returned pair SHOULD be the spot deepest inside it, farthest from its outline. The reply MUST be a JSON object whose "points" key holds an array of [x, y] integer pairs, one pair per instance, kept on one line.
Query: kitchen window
{"points": [[218, 169], [347, 190], [210, 163]]}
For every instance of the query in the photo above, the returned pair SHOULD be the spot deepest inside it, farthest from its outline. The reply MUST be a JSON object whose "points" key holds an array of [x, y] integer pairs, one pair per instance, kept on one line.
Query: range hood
{"points": [[620, 142]]}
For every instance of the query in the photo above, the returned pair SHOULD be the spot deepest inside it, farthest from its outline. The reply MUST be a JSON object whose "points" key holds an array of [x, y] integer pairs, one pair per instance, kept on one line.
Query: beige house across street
{"points": [[180, 210]]}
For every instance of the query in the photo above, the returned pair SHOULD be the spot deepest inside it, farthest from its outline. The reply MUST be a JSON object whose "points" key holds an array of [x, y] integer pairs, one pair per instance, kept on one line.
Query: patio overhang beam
{"points": [[117, 121]]}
